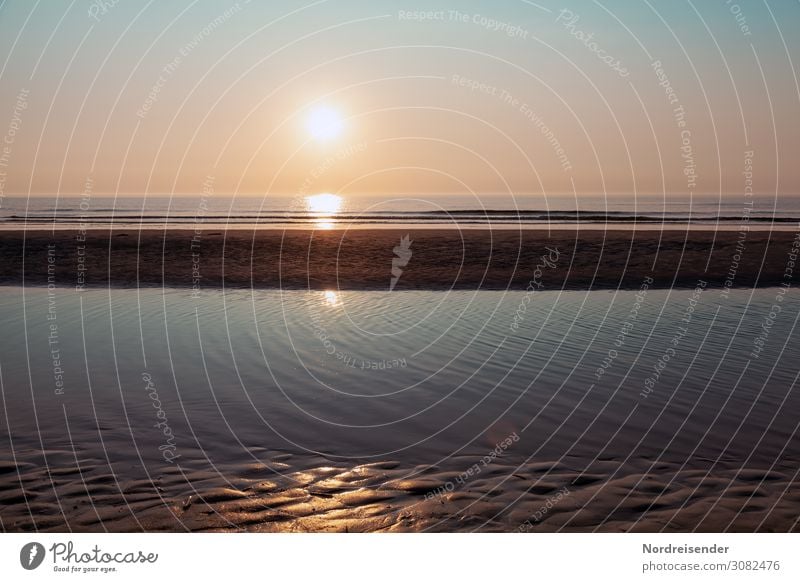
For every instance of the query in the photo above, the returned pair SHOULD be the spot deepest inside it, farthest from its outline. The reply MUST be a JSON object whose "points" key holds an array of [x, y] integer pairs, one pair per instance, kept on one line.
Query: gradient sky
{"points": [[236, 83]]}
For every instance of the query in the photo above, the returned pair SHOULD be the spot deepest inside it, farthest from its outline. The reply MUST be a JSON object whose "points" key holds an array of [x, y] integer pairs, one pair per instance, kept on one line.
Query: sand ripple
{"points": [[288, 493]]}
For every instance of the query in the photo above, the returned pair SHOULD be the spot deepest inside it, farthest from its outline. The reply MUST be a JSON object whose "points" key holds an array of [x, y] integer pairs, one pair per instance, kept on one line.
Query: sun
{"points": [[324, 123]]}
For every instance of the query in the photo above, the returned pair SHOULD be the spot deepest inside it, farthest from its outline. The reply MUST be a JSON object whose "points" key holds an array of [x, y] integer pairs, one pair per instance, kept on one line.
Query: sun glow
{"points": [[324, 123]]}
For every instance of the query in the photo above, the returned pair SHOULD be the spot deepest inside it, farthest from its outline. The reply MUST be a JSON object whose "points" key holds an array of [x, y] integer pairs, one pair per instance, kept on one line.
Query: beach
{"points": [[356, 267], [290, 494], [362, 258]]}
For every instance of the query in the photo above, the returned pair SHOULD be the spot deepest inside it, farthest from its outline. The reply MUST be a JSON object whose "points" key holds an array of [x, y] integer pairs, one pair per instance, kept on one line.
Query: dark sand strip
{"points": [[362, 259]]}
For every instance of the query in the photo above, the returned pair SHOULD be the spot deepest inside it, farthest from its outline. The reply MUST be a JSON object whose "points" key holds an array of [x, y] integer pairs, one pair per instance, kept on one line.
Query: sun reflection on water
{"points": [[323, 207], [324, 223], [331, 298]]}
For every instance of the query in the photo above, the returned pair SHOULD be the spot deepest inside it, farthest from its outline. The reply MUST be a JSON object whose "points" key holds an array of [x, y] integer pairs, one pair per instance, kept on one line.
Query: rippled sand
{"points": [[293, 494]]}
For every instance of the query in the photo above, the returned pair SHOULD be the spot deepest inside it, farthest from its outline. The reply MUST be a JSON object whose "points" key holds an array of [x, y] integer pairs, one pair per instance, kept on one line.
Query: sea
{"points": [[327, 210], [412, 376]]}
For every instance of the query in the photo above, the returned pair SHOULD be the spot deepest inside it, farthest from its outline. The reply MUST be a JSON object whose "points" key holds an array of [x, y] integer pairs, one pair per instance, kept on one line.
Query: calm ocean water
{"points": [[436, 210], [412, 376]]}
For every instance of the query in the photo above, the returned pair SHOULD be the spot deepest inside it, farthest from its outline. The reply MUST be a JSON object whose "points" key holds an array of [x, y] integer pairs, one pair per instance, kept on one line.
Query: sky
{"points": [[399, 97]]}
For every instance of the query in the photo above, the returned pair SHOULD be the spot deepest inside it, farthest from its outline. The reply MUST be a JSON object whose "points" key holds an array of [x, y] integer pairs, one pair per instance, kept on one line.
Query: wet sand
{"points": [[289, 493], [362, 259]]}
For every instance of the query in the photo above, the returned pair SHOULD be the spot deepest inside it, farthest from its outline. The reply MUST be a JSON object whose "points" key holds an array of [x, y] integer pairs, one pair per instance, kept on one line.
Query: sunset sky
{"points": [[371, 97]]}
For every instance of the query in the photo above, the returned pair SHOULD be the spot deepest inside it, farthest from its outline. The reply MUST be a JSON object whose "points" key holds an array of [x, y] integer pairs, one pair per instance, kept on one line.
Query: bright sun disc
{"points": [[324, 123]]}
